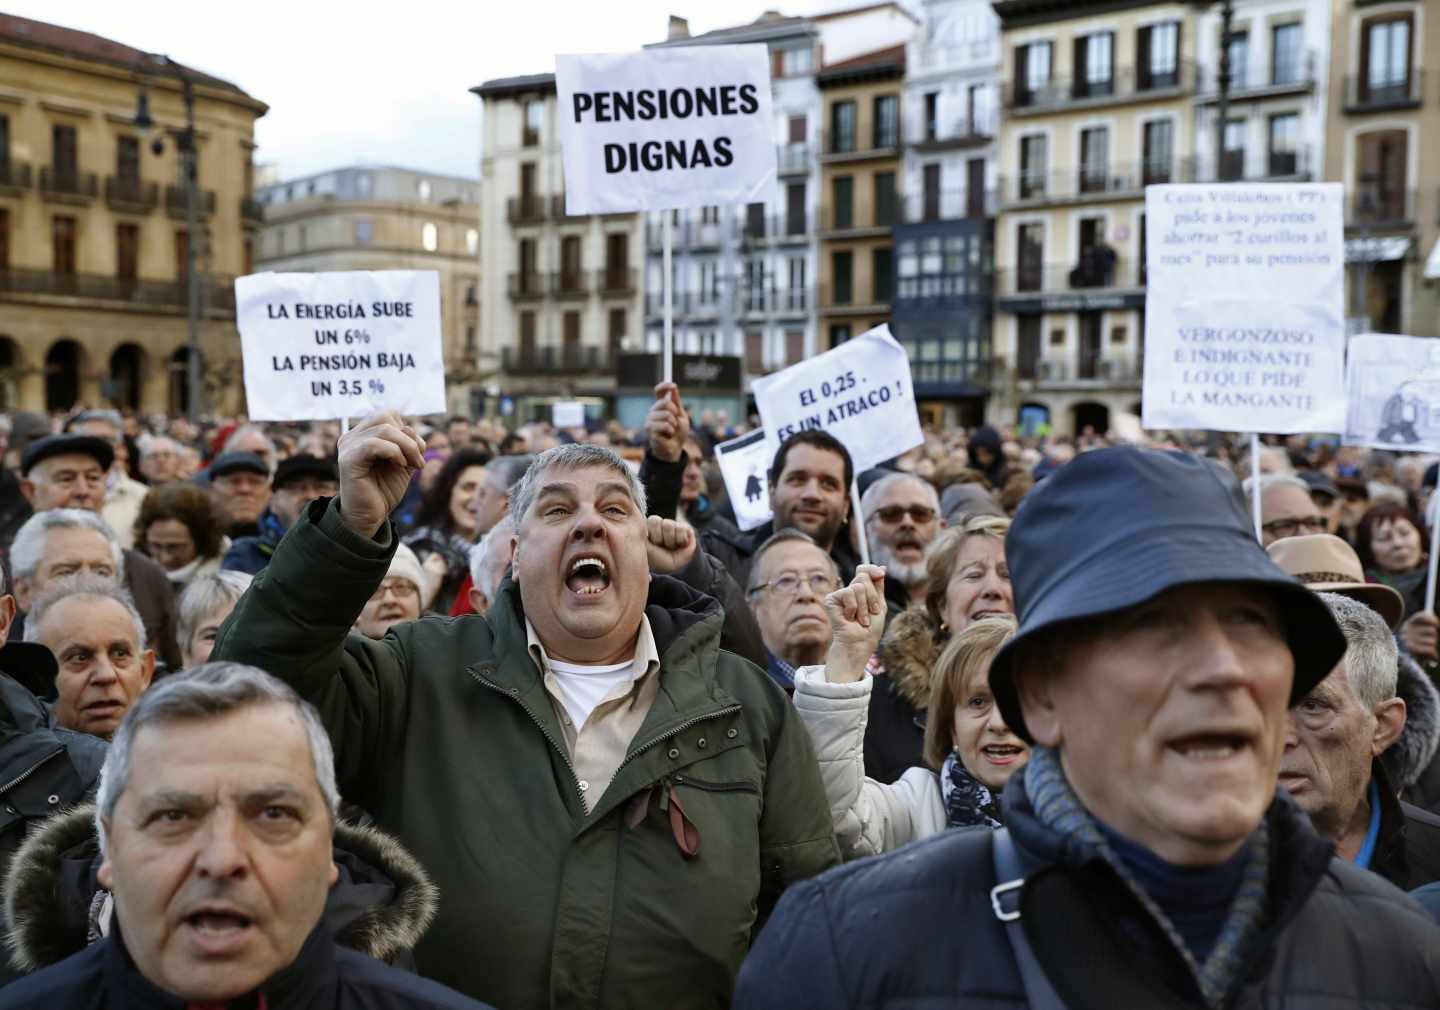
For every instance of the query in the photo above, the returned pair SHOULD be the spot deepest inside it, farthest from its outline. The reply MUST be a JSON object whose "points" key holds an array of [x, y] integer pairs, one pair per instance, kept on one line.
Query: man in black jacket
{"points": [[1148, 859], [216, 816]]}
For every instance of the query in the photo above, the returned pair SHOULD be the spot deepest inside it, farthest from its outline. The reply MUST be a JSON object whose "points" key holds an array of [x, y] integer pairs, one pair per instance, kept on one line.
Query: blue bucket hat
{"points": [[1116, 527]]}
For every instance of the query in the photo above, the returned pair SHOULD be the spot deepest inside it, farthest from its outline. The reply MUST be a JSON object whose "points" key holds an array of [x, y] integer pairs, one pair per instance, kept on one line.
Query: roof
{"points": [[1017, 13], [509, 87], [843, 12], [766, 26], [879, 65], [86, 45]]}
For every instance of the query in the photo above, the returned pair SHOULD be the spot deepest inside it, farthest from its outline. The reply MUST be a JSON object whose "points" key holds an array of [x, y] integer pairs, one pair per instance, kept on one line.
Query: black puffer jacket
{"points": [[915, 928]]}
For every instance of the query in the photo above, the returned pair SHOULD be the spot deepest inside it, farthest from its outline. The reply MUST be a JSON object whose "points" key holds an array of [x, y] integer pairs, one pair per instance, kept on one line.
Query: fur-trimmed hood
{"points": [[908, 652], [381, 904], [1409, 757]]}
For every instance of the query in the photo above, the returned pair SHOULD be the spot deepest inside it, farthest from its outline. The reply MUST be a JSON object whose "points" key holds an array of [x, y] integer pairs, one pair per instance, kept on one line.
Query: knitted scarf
{"points": [[968, 803]]}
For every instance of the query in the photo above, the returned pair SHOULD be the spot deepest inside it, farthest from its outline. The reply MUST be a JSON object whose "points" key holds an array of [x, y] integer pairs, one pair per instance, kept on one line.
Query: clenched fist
{"points": [[857, 619], [377, 459]]}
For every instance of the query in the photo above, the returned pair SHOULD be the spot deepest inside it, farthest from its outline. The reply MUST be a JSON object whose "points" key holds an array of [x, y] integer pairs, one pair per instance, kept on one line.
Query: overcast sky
{"points": [[382, 82]]}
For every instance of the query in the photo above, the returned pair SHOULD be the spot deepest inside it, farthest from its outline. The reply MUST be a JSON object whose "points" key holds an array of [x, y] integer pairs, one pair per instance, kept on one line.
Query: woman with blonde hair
{"points": [[969, 751]]}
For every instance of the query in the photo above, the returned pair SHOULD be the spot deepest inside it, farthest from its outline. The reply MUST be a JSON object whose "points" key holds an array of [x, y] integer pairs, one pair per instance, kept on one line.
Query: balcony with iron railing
{"points": [[530, 208], [570, 284], [176, 202], [1371, 206], [1088, 367], [840, 299], [755, 303], [956, 55], [127, 193], [526, 286], [793, 159], [694, 236], [616, 282], [1374, 93], [958, 131], [1294, 165], [66, 185], [856, 145], [15, 176], [251, 210], [861, 222], [572, 359], [1095, 272], [1287, 77], [950, 205], [1125, 84], [218, 294], [773, 228], [690, 304]]}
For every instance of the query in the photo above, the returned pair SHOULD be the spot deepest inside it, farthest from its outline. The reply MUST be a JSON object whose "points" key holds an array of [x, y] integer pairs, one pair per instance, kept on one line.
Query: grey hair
{"points": [[485, 572], [576, 456], [157, 442], [510, 469], [1274, 480], [82, 585], [205, 595], [107, 417], [246, 429], [29, 546], [208, 691], [1371, 657], [869, 501], [786, 536]]}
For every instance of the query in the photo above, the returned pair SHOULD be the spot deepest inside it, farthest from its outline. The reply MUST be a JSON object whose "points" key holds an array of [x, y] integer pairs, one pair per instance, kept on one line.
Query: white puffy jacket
{"points": [[870, 817]]}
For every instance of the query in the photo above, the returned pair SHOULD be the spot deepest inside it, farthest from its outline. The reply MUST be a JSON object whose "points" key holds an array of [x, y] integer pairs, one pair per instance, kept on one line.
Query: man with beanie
{"points": [[1148, 858]]}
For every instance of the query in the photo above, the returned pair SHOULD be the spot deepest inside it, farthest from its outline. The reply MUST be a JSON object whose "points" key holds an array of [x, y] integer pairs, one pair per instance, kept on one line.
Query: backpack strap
{"points": [[1005, 900]]}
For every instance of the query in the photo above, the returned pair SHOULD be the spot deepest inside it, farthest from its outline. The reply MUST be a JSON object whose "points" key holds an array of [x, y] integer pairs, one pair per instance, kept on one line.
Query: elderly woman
{"points": [[967, 580], [445, 526], [398, 598], [178, 528], [203, 606], [1391, 543], [969, 751]]}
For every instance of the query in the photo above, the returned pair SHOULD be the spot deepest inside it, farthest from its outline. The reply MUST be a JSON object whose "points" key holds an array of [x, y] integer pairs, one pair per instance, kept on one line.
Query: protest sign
{"points": [[745, 465], [664, 128], [567, 414], [1244, 309], [320, 346], [860, 392], [1393, 386]]}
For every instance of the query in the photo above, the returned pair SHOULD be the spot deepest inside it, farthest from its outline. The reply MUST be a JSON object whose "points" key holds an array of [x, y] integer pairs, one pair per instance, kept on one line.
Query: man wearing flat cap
{"points": [[298, 480], [1148, 858], [240, 487]]}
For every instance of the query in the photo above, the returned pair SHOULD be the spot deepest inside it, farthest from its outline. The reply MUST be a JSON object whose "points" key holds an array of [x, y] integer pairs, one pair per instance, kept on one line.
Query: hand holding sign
{"points": [[667, 424], [377, 459]]}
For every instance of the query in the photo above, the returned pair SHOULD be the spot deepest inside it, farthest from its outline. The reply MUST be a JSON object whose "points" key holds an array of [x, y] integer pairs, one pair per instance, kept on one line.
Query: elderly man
{"points": [[396, 599], [1148, 858], [68, 472], [160, 459], [1332, 763], [58, 544], [298, 480], [240, 488], [648, 762], [790, 576], [1286, 508], [489, 560], [251, 439], [216, 817], [123, 494], [902, 519], [92, 628], [492, 497]]}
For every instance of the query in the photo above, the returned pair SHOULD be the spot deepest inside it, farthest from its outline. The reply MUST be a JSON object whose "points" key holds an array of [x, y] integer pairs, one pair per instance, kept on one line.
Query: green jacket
{"points": [[444, 732]]}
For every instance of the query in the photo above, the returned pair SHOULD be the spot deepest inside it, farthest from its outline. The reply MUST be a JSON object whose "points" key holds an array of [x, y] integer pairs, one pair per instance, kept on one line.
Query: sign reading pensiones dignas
{"points": [[1244, 320], [662, 128], [860, 392], [320, 346]]}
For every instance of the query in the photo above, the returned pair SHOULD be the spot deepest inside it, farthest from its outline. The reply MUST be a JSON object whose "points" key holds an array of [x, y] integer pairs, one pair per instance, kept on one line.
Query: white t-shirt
{"points": [[582, 688]]}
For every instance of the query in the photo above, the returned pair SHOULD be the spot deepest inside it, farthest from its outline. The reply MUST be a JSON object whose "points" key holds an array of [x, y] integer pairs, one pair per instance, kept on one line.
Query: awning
{"points": [[1377, 250], [1432, 262]]}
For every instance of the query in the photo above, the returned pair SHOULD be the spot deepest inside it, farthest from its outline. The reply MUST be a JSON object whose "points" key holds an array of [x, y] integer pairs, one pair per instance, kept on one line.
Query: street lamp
{"points": [[185, 147], [1222, 78]]}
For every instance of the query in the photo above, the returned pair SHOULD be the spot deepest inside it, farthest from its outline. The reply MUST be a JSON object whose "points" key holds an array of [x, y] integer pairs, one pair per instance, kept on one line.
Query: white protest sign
{"points": [[745, 465], [319, 346], [567, 414], [1394, 392], [860, 392], [1244, 308], [662, 128]]}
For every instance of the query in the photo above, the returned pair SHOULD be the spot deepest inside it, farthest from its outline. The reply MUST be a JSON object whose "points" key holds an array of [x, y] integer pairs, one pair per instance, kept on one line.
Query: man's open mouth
{"points": [[589, 576], [217, 922], [1210, 746]]}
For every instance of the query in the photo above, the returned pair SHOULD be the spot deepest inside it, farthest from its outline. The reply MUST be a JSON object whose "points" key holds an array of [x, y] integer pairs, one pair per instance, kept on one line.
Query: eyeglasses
{"points": [[789, 585], [401, 588], [1291, 527], [892, 514]]}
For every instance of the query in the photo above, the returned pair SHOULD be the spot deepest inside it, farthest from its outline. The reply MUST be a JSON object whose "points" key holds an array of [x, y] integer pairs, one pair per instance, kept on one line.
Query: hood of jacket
{"points": [[908, 651], [1409, 756], [381, 904], [33, 666]]}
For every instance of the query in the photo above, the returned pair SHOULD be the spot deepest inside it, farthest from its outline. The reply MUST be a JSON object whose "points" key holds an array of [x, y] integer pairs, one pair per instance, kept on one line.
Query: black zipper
{"points": [[717, 714], [716, 787], [32, 769], [562, 751]]}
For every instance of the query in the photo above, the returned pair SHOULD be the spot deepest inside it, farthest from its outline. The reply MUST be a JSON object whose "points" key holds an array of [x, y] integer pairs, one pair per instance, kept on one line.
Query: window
{"points": [[795, 298], [755, 220], [1284, 148], [839, 334], [127, 159], [932, 115], [617, 261], [795, 208], [1239, 61], [4, 145], [886, 127], [570, 333], [1159, 152], [794, 346], [63, 157], [528, 266], [4, 238], [527, 336], [530, 126], [1027, 340], [1286, 62], [472, 241], [796, 61], [429, 236], [364, 231], [843, 193], [1382, 176], [930, 192], [842, 269], [980, 110], [1232, 160], [1094, 159], [470, 347], [62, 234], [615, 336], [882, 275], [1030, 256], [1094, 65], [127, 251], [885, 200], [842, 127], [422, 190], [710, 215], [754, 352], [1159, 47], [1032, 72], [796, 130], [1385, 60], [1032, 166]]}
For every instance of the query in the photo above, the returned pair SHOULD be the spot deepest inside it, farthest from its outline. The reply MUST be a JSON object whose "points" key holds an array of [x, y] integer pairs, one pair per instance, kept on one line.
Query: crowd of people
{"points": [[443, 713]]}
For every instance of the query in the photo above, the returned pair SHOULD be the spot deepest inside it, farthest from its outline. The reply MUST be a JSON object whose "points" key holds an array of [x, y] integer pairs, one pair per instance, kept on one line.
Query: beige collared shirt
{"points": [[597, 748]]}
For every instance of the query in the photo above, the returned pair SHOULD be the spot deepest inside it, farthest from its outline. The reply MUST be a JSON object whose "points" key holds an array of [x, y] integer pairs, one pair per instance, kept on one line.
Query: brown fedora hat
{"points": [[1328, 564]]}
